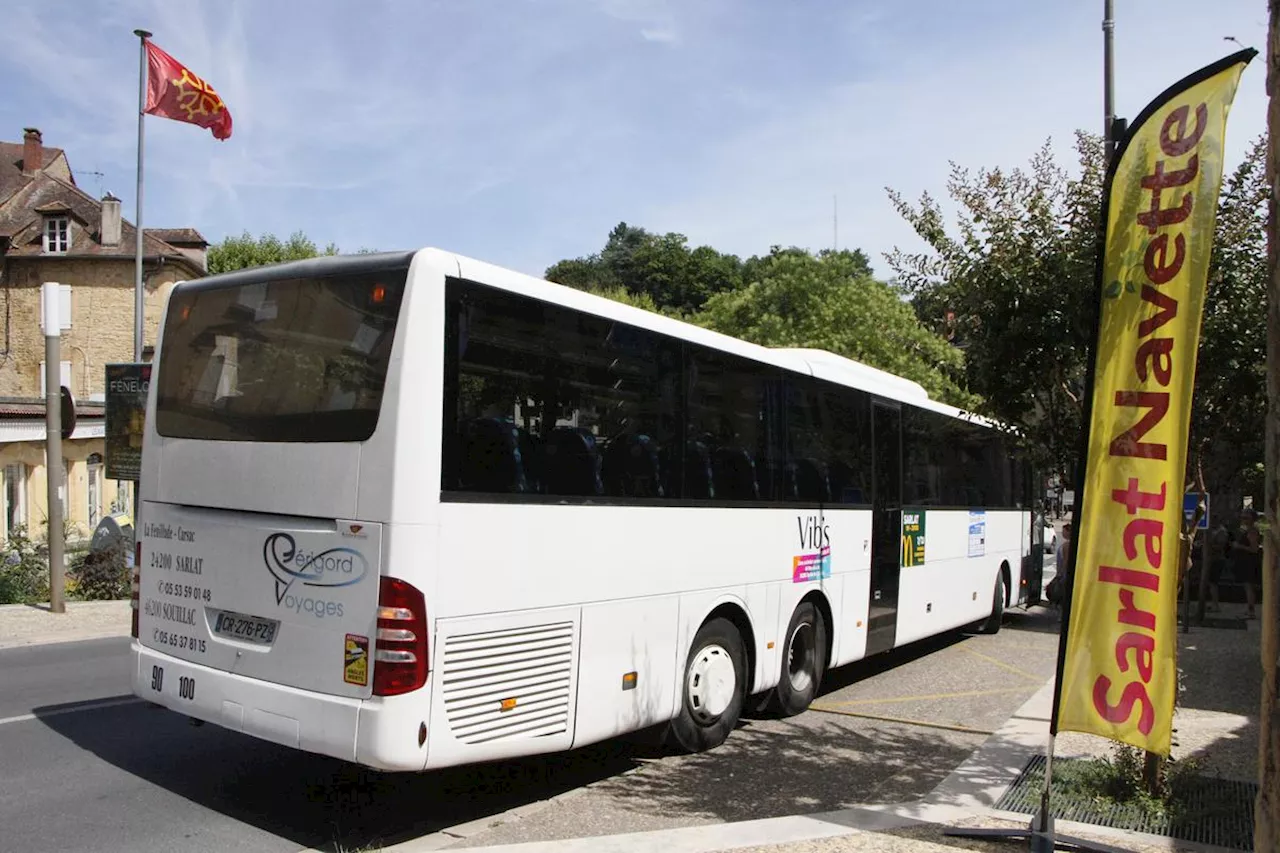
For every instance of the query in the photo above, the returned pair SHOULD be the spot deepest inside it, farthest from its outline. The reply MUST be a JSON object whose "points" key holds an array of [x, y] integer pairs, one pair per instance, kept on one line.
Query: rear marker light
{"points": [[394, 656], [400, 644]]}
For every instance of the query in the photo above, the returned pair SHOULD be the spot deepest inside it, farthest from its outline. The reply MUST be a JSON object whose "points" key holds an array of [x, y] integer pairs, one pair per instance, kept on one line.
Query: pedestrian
{"points": [[1056, 591], [1247, 558], [1063, 555], [1219, 539]]}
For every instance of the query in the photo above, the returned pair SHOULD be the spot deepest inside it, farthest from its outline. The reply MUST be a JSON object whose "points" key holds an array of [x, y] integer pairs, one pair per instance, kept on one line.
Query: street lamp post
{"points": [[53, 441]]}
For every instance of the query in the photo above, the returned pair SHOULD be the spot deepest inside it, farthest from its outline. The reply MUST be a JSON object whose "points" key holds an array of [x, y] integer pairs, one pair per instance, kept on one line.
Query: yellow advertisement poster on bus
{"points": [[1118, 676]]}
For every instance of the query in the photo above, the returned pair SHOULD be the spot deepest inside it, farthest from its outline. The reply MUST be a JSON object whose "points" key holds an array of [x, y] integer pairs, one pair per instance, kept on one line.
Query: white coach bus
{"points": [[411, 510]]}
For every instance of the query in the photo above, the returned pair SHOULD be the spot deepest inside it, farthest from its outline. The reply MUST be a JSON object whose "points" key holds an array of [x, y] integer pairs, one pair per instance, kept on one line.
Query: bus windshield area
{"points": [[286, 360]]}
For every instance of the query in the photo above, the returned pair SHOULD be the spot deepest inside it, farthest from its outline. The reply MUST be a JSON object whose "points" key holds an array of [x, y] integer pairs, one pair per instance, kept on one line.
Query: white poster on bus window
{"points": [[977, 532]]}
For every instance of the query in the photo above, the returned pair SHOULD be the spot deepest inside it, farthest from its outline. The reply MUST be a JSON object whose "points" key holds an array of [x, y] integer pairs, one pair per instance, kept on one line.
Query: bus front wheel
{"points": [[804, 661], [713, 688]]}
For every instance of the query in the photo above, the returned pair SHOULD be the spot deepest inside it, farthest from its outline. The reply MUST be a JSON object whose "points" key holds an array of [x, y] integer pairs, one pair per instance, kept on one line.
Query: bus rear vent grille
{"points": [[508, 684]]}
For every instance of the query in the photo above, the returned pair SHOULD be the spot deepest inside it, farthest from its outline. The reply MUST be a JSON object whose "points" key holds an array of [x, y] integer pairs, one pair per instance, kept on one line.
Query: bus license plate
{"points": [[248, 629]]}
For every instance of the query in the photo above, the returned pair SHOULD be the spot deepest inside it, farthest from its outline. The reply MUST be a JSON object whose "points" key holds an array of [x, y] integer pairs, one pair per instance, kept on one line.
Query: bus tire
{"points": [[992, 625], [711, 704], [804, 661]]}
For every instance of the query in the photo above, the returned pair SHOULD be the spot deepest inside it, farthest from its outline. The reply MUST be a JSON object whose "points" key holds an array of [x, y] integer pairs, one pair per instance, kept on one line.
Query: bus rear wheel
{"points": [[713, 689], [992, 625], [804, 662]]}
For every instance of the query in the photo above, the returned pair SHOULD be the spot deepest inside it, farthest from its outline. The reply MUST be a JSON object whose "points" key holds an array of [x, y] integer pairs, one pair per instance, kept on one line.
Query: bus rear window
{"points": [[299, 360]]}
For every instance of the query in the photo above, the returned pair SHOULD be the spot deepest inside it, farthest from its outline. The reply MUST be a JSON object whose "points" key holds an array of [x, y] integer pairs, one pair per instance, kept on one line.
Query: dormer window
{"points": [[57, 235]]}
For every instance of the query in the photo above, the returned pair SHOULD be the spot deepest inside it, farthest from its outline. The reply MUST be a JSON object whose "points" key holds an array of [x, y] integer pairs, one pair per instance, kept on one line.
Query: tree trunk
{"points": [[1267, 810]]}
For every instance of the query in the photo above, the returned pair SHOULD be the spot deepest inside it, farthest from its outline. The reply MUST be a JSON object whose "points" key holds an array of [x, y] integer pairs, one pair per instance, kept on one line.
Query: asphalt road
{"points": [[88, 767]]}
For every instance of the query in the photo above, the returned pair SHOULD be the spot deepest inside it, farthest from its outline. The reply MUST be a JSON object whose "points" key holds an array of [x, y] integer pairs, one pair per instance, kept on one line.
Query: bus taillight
{"points": [[400, 647], [133, 588]]}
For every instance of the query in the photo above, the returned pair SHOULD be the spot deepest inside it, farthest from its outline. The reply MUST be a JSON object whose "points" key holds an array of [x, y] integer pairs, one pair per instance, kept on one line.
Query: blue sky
{"points": [[521, 132]]}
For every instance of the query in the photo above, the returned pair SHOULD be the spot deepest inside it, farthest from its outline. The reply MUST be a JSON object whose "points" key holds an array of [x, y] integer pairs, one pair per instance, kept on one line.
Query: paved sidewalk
{"points": [[1215, 724], [34, 624]]}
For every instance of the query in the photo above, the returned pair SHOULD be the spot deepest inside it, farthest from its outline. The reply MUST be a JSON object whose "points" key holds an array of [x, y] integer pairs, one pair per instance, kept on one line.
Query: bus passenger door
{"points": [[886, 527]]}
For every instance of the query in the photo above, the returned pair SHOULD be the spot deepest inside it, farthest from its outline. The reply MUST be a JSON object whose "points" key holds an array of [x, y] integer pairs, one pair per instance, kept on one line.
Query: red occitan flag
{"points": [[173, 91]]}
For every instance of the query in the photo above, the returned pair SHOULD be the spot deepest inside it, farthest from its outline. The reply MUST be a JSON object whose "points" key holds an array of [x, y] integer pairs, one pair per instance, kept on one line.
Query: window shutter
{"points": [[64, 306], [64, 376]]}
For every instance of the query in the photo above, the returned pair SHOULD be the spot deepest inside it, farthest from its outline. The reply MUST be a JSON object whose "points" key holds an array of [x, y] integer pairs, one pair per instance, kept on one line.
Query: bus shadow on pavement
{"points": [[860, 670], [312, 800], [807, 764]]}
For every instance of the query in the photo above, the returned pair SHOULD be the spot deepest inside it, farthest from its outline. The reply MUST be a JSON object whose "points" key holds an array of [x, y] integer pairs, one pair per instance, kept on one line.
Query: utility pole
{"points": [[53, 441], [1266, 833]]}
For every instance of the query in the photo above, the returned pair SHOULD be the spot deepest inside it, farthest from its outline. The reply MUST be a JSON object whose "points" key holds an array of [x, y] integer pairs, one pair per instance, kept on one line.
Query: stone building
{"points": [[51, 230]]}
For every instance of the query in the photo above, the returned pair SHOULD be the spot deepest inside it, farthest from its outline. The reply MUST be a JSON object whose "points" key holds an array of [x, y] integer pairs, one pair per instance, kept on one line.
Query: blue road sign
{"points": [[1189, 503]]}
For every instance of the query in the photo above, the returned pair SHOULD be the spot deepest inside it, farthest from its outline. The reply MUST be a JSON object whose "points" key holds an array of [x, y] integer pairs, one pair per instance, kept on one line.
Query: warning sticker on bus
{"points": [[355, 668]]}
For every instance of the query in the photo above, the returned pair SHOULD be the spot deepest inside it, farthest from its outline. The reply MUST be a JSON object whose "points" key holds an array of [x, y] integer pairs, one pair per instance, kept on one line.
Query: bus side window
{"points": [[846, 430], [730, 415], [492, 460], [806, 472]]}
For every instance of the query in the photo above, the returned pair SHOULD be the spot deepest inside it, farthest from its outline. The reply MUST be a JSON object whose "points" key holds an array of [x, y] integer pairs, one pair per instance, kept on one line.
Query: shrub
{"points": [[24, 571], [100, 575]]}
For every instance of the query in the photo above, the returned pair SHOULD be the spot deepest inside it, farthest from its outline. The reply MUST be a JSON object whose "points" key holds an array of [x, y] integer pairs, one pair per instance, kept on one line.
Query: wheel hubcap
{"points": [[800, 651], [712, 683]]}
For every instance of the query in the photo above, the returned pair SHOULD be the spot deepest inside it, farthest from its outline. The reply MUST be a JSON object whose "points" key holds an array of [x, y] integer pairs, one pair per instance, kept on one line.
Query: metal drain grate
{"points": [[1203, 810]]}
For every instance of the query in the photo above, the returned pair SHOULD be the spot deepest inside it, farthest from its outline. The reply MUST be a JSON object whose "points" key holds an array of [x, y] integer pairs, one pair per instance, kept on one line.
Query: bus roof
{"points": [[818, 363]]}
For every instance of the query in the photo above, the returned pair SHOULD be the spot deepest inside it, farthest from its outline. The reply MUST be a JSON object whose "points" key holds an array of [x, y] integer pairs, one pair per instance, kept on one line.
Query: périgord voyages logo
{"points": [[287, 564]]}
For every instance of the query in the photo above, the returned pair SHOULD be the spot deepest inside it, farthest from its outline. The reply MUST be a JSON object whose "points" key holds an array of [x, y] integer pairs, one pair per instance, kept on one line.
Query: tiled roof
{"points": [[177, 236], [20, 220], [11, 177], [27, 408]]}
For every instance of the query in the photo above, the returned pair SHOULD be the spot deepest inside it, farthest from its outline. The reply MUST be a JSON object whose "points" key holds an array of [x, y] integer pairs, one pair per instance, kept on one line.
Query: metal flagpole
{"points": [[142, 35]]}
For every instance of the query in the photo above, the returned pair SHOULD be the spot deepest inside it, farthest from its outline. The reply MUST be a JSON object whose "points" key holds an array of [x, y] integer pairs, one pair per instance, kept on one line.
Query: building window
{"points": [[15, 498], [95, 489], [57, 235]]}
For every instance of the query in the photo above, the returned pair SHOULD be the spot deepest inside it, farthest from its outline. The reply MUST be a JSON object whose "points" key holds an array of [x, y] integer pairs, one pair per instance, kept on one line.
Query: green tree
{"points": [[1015, 289], [678, 279], [237, 253], [830, 301], [1228, 413]]}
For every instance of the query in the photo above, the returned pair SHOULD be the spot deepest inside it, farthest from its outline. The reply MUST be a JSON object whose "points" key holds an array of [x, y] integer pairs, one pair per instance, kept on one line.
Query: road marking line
{"points": [[929, 696], [92, 706], [903, 720], [1038, 679]]}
